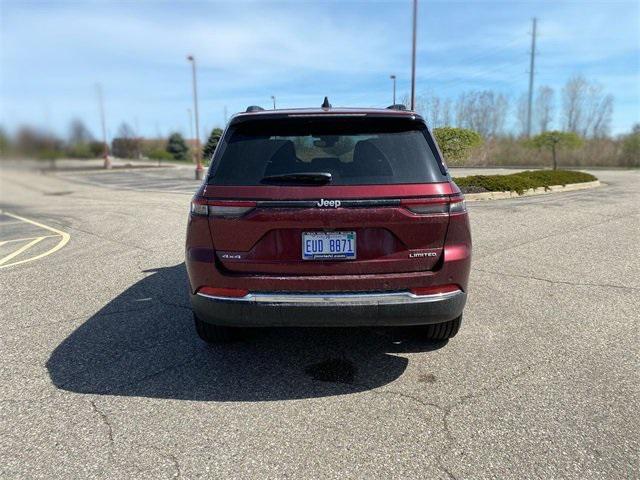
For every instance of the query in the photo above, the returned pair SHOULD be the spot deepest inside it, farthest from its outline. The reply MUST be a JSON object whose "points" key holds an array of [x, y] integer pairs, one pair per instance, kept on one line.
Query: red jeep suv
{"points": [[327, 217]]}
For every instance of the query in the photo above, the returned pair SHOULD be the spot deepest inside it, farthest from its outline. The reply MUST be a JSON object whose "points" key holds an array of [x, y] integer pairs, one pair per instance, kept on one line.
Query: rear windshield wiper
{"points": [[314, 178]]}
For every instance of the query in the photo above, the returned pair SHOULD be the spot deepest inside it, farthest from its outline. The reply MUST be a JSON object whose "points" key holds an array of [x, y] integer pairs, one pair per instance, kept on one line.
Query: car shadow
{"points": [[143, 343]]}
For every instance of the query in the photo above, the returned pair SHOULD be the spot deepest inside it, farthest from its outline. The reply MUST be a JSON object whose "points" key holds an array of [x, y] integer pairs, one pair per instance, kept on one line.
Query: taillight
{"points": [[432, 206], [215, 208], [224, 292], [437, 290], [457, 205]]}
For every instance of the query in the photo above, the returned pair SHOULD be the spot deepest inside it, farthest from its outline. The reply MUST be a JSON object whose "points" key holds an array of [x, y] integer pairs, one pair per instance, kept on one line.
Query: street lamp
{"points": [[393, 77], [274, 101], [199, 169], [413, 56], [105, 146]]}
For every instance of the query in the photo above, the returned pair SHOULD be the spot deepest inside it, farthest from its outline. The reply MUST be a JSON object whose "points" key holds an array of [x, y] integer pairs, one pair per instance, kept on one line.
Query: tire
{"points": [[443, 331], [215, 334]]}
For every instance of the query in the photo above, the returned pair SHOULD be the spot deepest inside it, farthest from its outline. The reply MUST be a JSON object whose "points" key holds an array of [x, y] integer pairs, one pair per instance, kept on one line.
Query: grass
{"points": [[521, 181]]}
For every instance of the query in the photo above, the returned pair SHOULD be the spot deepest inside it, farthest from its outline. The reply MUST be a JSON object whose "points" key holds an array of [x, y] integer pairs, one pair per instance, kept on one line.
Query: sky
{"points": [[53, 54]]}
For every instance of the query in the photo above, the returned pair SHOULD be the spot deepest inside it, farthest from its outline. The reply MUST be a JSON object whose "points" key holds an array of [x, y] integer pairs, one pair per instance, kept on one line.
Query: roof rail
{"points": [[254, 108], [397, 106]]}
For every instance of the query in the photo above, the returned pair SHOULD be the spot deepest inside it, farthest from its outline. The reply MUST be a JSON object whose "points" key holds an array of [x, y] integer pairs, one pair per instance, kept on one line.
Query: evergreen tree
{"points": [[210, 147], [177, 147]]}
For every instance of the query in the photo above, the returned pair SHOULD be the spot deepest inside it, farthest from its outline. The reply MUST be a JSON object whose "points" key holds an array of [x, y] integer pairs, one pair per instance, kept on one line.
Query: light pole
{"points": [[107, 160], [413, 57], [190, 125], [393, 77], [274, 101], [199, 169]]}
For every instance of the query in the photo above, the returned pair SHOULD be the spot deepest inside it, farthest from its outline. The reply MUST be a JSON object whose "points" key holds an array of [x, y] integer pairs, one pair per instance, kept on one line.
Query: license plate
{"points": [[328, 245]]}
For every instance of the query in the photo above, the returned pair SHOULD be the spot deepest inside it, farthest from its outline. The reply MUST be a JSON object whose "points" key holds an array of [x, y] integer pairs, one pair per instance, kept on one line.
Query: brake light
{"points": [[457, 205], [226, 209], [437, 290], [224, 292], [431, 206]]}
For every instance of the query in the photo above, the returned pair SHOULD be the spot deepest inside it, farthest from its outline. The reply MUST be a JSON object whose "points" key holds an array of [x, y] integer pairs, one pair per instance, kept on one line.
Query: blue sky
{"points": [[52, 54]]}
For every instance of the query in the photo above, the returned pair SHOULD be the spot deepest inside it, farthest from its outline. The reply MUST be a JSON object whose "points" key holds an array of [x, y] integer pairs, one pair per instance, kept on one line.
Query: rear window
{"points": [[355, 151]]}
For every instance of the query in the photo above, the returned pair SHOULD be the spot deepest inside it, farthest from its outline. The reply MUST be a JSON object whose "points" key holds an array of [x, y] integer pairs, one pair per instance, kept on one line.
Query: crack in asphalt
{"points": [[446, 411], [105, 420], [560, 282], [169, 456]]}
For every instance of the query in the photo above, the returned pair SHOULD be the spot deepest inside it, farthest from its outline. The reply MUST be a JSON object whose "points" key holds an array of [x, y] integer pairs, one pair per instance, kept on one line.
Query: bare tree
{"points": [[483, 111], [599, 111], [79, 133], [586, 109], [573, 98], [446, 113], [522, 109], [543, 110]]}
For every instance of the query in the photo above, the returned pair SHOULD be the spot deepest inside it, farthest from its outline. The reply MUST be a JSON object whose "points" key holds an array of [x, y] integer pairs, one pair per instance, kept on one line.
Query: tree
{"points": [[126, 144], [177, 147], [587, 110], [631, 147], [456, 143], [543, 109], [482, 111], [522, 114], [212, 143], [555, 140], [79, 134]]}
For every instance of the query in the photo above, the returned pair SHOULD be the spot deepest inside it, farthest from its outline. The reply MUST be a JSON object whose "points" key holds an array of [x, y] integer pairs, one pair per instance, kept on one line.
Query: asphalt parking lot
{"points": [[102, 375]]}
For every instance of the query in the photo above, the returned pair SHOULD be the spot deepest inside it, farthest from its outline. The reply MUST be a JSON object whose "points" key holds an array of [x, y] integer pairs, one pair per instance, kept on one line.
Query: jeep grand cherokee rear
{"points": [[327, 217]]}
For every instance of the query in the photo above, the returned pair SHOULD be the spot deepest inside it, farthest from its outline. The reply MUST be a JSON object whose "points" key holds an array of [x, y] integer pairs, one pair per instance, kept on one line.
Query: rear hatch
{"points": [[318, 195]]}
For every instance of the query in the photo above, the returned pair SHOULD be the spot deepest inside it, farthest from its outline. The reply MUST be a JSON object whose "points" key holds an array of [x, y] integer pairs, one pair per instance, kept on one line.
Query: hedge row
{"points": [[521, 181]]}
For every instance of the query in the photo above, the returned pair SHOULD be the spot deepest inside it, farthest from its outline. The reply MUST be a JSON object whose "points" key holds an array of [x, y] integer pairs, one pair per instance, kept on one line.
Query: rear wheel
{"points": [[215, 333], [443, 331]]}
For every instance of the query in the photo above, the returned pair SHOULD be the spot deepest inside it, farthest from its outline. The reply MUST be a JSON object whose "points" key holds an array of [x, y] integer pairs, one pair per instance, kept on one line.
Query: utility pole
{"points": [[531, 73], [274, 101], [393, 77], [225, 115], [199, 169], [107, 160], [413, 56]]}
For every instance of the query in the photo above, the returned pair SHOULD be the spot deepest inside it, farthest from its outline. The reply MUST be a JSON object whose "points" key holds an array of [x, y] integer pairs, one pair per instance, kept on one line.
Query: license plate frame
{"points": [[334, 246]]}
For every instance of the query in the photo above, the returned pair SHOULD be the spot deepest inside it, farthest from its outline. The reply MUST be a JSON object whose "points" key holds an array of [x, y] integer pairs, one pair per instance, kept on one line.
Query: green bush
{"points": [[521, 181], [159, 154], [456, 144]]}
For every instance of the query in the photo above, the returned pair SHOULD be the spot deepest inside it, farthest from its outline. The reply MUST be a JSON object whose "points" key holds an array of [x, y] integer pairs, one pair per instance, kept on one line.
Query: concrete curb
{"points": [[478, 197]]}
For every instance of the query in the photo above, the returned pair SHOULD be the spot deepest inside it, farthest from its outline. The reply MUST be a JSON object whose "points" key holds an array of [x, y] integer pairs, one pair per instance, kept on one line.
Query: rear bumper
{"points": [[330, 309]]}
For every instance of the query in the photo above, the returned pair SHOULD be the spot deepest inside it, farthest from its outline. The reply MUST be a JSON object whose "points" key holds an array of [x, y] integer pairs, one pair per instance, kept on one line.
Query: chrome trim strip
{"points": [[382, 298]]}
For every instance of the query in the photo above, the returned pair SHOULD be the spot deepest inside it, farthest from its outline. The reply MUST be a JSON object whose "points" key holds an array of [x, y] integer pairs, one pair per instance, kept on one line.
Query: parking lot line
{"points": [[64, 239], [2, 242], [20, 250]]}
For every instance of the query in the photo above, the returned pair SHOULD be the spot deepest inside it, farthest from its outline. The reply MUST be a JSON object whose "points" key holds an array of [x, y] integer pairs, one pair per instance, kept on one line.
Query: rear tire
{"points": [[215, 334], [443, 331]]}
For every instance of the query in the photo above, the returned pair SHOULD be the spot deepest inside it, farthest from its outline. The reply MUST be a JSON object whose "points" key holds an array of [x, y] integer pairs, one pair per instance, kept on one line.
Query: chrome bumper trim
{"points": [[382, 298]]}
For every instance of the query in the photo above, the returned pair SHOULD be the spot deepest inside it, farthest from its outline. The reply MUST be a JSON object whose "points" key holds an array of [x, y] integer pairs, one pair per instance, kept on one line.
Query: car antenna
{"points": [[326, 103]]}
